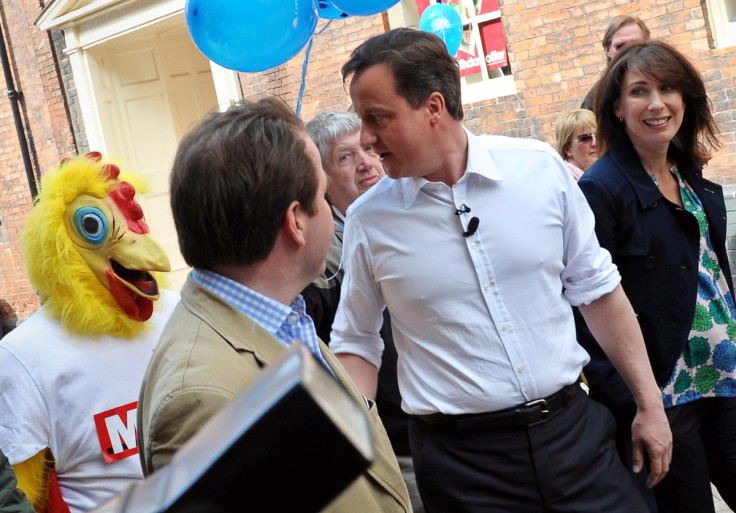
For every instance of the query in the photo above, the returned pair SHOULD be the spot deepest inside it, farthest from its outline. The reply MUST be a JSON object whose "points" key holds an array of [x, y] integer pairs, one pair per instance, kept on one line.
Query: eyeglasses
{"points": [[584, 138]]}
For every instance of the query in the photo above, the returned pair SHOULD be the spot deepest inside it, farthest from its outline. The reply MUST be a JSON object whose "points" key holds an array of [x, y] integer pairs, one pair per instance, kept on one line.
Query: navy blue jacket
{"points": [[655, 245]]}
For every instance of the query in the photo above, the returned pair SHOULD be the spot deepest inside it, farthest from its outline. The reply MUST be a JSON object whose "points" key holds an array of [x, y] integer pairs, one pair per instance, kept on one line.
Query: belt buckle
{"points": [[540, 406]]}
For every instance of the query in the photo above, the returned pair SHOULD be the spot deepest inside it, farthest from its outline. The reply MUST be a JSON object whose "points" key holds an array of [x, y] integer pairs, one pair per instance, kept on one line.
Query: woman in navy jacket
{"points": [[665, 226]]}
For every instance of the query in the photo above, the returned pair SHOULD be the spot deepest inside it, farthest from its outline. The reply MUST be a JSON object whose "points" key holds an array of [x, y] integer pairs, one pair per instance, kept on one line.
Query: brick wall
{"points": [[70, 93], [323, 85], [730, 193], [45, 117], [555, 56], [554, 52]]}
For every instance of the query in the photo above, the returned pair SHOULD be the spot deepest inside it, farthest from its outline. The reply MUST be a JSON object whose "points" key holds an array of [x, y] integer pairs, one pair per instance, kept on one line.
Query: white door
{"points": [[151, 86]]}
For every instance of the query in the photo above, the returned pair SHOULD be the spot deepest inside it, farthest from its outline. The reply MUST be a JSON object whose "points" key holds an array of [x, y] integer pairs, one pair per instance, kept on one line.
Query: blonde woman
{"points": [[576, 138]]}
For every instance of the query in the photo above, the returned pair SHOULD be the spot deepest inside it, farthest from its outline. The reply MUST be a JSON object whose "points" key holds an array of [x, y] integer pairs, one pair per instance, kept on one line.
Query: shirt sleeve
{"points": [[589, 271], [24, 419], [360, 313]]}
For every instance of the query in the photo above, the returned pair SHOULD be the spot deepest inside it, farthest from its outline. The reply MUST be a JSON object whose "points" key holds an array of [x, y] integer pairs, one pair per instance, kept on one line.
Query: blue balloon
{"points": [[363, 7], [443, 21], [328, 11], [250, 35]]}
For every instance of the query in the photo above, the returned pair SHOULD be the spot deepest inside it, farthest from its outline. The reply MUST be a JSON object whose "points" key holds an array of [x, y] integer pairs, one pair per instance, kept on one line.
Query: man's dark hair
{"points": [[618, 22], [420, 63], [658, 61], [233, 178]]}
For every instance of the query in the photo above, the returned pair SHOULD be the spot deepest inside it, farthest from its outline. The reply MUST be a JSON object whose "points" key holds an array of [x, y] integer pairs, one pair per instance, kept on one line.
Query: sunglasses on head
{"points": [[584, 138]]}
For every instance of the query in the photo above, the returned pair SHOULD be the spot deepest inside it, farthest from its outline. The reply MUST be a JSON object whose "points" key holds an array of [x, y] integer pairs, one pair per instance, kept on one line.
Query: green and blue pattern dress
{"points": [[707, 366]]}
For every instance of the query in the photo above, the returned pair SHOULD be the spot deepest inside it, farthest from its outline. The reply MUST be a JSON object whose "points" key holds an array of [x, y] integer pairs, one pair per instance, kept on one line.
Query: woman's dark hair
{"points": [[697, 136]]}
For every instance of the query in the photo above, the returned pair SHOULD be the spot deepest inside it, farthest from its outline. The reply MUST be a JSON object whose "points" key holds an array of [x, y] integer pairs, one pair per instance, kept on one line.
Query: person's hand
{"points": [[650, 432]]}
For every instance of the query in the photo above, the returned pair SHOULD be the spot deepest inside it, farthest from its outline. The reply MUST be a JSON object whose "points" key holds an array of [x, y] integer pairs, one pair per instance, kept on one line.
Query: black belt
{"points": [[523, 415]]}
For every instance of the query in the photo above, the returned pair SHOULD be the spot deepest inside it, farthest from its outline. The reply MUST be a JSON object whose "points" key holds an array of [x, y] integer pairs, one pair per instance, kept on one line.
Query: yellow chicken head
{"points": [[88, 250]]}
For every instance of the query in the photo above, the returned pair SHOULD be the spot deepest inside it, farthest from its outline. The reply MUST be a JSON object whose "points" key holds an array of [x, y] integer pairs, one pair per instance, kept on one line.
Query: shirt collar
{"points": [[628, 161], [268, 313], [336, 214], [479, 163]]}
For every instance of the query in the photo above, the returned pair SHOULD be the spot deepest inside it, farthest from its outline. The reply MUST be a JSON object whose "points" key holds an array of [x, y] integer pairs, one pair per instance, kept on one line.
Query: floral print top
{"points": [[707, 366]]}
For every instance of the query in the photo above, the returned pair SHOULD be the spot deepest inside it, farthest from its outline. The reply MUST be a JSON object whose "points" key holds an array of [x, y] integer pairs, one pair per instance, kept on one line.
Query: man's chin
{"points": [[392, 171]]}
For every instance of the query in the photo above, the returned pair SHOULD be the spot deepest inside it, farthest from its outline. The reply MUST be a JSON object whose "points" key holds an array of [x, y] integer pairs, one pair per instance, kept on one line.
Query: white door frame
{"points": [[90, 23]]}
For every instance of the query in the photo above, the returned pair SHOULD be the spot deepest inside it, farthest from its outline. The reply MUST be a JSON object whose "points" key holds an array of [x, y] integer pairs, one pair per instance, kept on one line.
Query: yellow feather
{"points": [[33, 475]]}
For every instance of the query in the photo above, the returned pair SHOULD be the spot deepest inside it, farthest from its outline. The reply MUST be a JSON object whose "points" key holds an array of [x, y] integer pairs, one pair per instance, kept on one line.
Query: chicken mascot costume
{"points": [[70, 375]]}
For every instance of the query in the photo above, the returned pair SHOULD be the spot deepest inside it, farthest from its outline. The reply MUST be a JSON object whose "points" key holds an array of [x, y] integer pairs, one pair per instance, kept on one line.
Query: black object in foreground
{"points": [[291, 442]]}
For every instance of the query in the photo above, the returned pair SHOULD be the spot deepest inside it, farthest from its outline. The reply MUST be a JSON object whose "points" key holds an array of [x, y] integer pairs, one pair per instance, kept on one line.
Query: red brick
{"points": [[554, 52]]}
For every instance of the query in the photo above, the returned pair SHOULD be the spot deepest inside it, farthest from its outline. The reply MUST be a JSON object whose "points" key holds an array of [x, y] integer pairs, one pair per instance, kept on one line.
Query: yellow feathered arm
{"points": [[37, 478]]}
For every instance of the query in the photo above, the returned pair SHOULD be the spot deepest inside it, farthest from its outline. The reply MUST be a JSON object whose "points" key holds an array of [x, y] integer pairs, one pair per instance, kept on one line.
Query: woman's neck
{"points": [[655, 161], [660, 168], [659, 165]]}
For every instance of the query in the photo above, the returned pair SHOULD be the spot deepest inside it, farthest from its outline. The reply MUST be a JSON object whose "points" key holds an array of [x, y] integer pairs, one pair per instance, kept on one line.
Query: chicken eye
{"points": [[91, 224]]}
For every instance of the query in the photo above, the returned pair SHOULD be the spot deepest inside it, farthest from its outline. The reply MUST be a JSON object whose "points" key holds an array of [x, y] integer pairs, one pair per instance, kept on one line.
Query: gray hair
{"points": [[326, 127]]}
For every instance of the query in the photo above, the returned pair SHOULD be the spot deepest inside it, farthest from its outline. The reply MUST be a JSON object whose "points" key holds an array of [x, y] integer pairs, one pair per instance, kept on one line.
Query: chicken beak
{"points": [[133, 259], [141, 252]]}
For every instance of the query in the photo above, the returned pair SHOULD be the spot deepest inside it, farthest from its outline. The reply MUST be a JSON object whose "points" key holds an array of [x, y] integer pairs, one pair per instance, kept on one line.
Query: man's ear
{"points": [[294, 223], [435, 104]]}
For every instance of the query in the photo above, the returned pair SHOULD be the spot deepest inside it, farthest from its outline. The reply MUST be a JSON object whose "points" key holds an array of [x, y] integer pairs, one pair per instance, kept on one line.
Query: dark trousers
{"points": [[566, 465], [704, 451]]}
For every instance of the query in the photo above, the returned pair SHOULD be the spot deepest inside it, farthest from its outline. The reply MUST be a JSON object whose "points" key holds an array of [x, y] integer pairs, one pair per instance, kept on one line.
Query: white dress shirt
{"points": [[482, 322]]}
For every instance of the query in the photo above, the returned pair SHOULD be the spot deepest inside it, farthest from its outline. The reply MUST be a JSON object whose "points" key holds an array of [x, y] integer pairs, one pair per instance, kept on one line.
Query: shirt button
{"points": [[505, 327], [291, 319], [473, 246], [488, 287], [521, 369]]}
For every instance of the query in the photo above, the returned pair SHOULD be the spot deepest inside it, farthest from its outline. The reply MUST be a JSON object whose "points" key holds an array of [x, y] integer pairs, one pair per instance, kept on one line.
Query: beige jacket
{"points": [[208, 353]]}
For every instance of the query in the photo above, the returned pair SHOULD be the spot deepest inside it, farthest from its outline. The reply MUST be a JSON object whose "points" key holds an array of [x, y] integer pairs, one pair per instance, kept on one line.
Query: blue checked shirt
{"points": [[285, 323]]}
